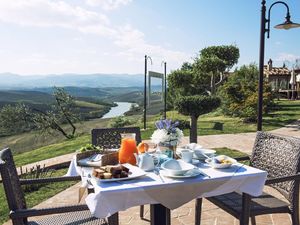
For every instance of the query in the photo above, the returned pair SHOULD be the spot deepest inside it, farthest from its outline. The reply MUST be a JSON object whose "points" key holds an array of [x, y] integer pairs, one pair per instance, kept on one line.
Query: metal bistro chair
{"points": [[109, 138], [280, 157], [19, 213]]}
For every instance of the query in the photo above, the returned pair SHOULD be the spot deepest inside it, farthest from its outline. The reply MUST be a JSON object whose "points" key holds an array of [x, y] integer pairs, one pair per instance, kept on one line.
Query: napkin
{"points": [[94, 160], [193, 146]]}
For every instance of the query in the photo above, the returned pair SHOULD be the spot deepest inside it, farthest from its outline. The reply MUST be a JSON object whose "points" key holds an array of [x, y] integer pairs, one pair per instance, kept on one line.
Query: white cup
{"points": [[187, 155]]}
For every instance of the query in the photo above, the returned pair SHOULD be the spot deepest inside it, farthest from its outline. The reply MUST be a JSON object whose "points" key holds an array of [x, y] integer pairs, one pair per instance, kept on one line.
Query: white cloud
{"points": [[45, 13], [108, 4], [131, 42], [286, 57], [134, 42]]}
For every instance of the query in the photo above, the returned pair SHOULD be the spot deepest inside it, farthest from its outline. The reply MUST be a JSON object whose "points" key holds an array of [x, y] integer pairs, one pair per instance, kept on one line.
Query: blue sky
{"points": [[112, 36]]}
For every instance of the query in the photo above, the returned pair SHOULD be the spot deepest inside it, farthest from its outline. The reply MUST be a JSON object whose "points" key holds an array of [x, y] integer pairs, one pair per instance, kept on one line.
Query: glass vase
{"points": [[168, 149]]}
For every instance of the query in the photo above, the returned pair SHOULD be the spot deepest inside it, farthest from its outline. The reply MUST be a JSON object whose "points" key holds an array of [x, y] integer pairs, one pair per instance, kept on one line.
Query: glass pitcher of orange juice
{"points": [[128, 149]]}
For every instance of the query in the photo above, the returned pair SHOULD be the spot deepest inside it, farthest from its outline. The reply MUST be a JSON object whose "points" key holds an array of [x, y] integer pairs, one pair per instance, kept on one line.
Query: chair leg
{"points": [[142, 211], [253, 221], [295, 218], [198, 208], [168, 216]]}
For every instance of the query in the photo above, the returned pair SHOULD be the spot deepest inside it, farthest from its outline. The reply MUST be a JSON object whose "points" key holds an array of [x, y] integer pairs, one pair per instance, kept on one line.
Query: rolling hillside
{"points": [[14, 81]]}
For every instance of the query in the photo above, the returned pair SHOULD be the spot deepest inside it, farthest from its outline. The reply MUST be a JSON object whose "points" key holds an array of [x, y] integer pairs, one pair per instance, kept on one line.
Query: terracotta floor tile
{"points": [[280, 219]]}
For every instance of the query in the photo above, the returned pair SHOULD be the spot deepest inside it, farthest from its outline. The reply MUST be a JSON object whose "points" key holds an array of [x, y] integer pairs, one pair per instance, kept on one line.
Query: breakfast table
{"points": [[163, 192]]}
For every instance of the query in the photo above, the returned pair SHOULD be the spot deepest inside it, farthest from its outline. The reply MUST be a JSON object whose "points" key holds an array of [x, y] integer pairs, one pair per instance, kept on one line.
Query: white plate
{"points": [[214, 165], [195, 161], [134, 172], [189, 174]]}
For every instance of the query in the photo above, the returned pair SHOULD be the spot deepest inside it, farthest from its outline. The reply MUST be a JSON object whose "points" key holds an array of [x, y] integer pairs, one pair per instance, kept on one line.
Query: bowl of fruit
{"points": [[221, 162]]}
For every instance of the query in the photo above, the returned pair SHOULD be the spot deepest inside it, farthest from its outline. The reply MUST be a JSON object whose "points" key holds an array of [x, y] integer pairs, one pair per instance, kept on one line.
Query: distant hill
{"points": [[25, 96], [15, 81]]}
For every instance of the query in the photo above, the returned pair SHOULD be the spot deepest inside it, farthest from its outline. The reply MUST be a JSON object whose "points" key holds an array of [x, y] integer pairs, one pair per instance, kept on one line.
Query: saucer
{"points": [[195, 161], [189, 174]]}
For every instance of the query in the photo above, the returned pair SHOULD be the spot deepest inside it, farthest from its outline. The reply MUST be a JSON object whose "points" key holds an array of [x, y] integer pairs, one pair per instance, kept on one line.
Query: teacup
{"points": [[187, 156]]}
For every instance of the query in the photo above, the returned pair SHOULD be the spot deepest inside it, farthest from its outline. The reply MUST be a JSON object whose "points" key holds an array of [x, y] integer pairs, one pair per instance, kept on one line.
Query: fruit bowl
{"points": [[221, 162]]}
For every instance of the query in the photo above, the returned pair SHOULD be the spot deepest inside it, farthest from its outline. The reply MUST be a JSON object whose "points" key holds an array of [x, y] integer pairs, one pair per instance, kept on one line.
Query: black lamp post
{"points": [[165, 87], [265, 28], [145, 91]]}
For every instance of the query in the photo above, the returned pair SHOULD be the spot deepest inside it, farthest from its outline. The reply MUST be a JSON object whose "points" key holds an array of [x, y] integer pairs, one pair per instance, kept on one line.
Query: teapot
{"points": [[145, 161]]}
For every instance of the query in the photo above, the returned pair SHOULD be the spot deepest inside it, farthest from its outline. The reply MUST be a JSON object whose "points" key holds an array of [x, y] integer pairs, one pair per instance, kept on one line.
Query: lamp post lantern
{"points": [[265, 28]]}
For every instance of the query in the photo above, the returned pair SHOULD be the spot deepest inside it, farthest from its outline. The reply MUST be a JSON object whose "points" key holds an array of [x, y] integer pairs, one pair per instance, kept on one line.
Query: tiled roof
{"points": [[282, 71]]}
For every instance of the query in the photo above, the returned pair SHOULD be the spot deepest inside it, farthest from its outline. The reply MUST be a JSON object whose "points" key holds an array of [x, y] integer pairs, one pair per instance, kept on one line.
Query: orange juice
{"points": [[127, 150]]}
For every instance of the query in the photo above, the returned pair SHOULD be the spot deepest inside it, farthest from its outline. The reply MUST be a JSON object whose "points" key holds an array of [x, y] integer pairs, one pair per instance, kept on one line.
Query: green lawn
{"points": [[51, 151], [213, 123], [35, 197]]}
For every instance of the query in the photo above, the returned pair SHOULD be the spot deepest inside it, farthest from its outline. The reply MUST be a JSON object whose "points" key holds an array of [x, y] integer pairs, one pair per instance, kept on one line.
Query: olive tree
{"points": [[215, 61], [63, 112], [192, 88], [194, 106]]}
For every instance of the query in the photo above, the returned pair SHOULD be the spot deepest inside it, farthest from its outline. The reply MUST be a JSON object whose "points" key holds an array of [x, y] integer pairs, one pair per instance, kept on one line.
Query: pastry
{"points": [[110, 171], [107, 175]]}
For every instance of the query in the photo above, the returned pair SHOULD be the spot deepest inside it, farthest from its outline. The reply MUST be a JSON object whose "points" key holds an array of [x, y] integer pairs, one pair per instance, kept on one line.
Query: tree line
{"points": [[20, 118]]}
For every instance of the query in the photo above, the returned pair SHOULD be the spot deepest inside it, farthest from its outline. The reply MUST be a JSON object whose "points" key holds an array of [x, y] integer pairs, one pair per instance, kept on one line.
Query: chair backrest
{"points": [[109, 138], [279, 156], [14, 193]]}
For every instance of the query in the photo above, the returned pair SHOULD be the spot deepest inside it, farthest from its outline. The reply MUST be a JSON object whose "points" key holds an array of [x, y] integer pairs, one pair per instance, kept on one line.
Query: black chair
{"points": [[280, 157], [109, 138], [19, 213]]}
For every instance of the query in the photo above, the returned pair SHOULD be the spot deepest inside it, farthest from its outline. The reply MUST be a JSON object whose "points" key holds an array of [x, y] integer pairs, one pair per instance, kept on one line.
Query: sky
{"points": [[113, 36]]}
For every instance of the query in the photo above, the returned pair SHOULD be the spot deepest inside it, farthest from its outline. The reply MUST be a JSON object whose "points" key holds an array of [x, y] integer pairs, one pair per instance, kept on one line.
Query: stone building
{"points": [[283, 81]]}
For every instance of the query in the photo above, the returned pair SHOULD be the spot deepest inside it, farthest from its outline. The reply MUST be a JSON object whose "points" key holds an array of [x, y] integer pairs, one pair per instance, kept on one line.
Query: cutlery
{"points": [[156, 171]]}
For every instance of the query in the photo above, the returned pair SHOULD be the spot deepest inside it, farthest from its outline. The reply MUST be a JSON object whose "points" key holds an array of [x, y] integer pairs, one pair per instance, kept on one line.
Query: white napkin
{"points": [[193, 146], [94, 160]]}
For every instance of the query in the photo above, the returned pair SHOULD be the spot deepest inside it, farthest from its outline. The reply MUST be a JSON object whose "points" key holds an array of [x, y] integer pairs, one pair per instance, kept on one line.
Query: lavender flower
{"points": [[167, 132], [159, 124]]}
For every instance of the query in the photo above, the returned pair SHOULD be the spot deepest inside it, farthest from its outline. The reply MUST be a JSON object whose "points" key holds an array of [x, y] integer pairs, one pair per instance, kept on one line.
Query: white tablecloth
{"points": [[112, 197]]}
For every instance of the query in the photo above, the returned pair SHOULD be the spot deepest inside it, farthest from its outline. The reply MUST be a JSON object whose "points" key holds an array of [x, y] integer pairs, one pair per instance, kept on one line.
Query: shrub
{"points": [[184, 124], [240, 94], [120, 121], [36, 172]]}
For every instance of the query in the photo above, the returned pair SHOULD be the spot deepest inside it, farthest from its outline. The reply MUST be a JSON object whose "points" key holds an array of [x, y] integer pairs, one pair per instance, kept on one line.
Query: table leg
{"points": [[113, 219], [244, 220], [198, 208], [159, 215]]}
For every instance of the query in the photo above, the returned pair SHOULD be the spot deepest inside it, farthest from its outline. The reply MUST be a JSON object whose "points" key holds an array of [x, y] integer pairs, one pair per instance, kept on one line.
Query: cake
{"points": [[110, 171]]}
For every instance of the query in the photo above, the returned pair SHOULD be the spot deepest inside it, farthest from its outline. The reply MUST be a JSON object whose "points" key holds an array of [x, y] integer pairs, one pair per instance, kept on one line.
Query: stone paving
{"points": [[184, 215]]}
